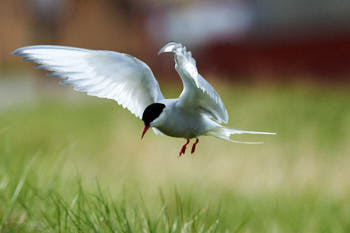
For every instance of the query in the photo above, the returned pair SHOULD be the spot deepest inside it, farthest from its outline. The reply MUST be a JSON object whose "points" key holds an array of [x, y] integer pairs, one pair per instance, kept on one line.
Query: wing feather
{"points": [[197, 91], [105, 74]]}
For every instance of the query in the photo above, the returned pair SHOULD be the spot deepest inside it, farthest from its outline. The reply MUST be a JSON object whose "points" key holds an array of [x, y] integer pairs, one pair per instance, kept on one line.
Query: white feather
{"points": [[197, 91], [225, 133], [105, 74]]}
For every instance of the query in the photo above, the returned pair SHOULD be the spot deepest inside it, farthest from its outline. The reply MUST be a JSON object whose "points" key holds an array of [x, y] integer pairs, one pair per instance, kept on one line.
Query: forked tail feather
{"points": [[225, 133]]}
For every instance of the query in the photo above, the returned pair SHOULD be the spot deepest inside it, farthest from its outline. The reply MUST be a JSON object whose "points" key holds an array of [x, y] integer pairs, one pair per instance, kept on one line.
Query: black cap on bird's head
{"points": [[151, 112]]}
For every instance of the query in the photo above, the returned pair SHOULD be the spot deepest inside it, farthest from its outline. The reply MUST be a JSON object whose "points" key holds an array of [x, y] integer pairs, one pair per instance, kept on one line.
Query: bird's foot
{"points": [[194, 146], [183, 149]]}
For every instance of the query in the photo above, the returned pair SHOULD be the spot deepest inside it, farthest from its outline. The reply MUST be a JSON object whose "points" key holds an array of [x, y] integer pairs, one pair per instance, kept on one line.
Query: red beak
{"points": [[145, 130]]}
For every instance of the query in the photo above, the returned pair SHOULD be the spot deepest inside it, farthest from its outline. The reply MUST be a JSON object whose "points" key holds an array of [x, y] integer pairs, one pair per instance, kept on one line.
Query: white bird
{"points": [[129, 81]]}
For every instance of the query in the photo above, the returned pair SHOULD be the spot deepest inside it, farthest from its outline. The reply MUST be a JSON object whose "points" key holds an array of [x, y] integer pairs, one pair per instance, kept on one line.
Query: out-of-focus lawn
{"points": [[298, 181]]}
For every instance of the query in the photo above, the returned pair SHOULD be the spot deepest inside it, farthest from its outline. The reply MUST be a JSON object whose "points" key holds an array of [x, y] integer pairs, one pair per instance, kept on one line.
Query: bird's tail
{"points": [[225, 133]]}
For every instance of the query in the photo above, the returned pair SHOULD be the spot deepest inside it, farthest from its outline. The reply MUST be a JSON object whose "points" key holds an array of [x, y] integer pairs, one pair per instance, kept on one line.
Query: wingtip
{"points": [[17, 52], [21, 51], [170, 47]]}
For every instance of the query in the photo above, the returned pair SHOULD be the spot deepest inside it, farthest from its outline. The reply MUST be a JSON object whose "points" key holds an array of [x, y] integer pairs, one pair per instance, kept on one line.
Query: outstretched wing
{"points": [[197, 91], [105, 74]]}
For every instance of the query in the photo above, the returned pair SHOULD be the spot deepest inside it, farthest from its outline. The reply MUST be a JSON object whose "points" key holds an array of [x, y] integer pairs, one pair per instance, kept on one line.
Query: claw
{"points": [[183, 149], [194, 146]]}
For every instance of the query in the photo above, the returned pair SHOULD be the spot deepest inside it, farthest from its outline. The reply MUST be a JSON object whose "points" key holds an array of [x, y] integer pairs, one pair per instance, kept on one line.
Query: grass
{"points": [[79, 166]]}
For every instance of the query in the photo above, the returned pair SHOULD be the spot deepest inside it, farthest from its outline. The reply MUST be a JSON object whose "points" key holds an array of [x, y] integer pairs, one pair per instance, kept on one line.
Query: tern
{"points": [[198, 111]]}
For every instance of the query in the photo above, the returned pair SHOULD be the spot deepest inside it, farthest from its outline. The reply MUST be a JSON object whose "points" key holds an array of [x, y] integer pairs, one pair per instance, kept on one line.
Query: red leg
{"points": [[183, 149], [194, 146]]}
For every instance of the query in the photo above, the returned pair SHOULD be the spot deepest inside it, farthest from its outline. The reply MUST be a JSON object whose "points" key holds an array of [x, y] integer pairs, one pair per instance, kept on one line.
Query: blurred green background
{"points": [[74, 163]]}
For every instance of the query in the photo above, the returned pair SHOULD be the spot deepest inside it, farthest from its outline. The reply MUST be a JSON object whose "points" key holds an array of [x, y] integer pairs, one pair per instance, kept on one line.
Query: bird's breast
{"points": [[183, 124]]}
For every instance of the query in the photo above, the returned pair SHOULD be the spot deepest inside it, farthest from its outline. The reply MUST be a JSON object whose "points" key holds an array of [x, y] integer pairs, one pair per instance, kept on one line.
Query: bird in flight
{"points": [[198, 111]]}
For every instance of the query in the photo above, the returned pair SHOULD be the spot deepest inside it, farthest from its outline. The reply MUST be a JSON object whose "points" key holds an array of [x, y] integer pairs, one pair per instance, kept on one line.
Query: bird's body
{"points": [[198, 111], [180, 122]]}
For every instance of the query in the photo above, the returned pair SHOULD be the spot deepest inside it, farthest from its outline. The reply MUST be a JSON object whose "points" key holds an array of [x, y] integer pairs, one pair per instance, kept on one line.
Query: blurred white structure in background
{"points": [[201, 22], [232, 36], [48, 8]]}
